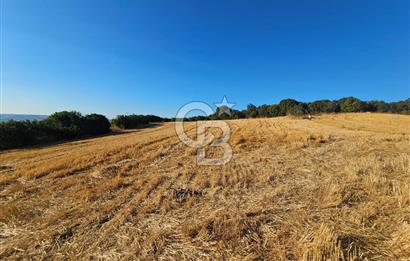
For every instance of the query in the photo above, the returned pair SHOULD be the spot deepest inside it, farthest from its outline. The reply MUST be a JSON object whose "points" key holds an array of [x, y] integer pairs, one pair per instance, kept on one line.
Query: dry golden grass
{"points": [[333, 188]]}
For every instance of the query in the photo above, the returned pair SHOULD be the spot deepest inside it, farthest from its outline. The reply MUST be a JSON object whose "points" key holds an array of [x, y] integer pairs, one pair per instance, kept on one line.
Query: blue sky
{"points": [[116, 57]]}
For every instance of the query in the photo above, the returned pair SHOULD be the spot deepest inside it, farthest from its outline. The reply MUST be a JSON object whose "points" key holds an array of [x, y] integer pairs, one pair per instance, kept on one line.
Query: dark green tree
{"points": [[273, 110], [402, 107], [323, 106], [351, 104], [285, 106], [263, 111], [298, 110], [95, 124], [251, 111], [134, 121]]}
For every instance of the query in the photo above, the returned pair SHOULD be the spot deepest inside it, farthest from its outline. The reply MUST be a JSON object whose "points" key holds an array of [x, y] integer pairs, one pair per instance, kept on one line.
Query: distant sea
{"points": [[21, 117]]}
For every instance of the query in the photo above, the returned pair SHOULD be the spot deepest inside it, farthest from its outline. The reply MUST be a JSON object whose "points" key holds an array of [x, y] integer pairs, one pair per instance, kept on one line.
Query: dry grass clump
{"points": [[333, 188]]}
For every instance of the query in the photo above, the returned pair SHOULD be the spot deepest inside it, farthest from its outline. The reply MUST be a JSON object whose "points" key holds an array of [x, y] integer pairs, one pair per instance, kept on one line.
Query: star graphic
{"points": [[224, 106]]}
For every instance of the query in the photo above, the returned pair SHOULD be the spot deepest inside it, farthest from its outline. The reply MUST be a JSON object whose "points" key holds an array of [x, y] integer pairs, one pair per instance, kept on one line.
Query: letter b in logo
{"points": [[203, 139]]}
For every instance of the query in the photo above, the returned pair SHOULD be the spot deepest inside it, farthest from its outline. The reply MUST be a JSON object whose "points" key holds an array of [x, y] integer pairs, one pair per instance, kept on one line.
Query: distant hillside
{"points": [[21, 117]]}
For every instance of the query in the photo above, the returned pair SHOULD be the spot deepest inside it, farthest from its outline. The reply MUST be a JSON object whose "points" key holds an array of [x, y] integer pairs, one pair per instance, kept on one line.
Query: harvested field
{"points": [[333, 188]]}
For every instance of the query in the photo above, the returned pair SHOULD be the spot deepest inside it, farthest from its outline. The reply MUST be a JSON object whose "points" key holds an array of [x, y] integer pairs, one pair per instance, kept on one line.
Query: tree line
{"points": [[67, 125], [134, 121], [58, 126], [298, 108]]}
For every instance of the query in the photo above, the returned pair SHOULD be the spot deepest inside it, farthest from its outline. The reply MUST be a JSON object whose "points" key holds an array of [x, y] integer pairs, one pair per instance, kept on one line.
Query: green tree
{"points": [[323, 106], [351, 104], [251, 111], [134, 121], [273, 110], [67, 124], [402, 107], [298, 110], [223, 113], [263, 110], [285, 106], [377, 106], [94, 124]]}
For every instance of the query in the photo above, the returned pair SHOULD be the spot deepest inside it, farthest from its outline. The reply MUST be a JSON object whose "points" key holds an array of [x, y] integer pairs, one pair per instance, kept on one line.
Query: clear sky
{"points": [[116, 57]]}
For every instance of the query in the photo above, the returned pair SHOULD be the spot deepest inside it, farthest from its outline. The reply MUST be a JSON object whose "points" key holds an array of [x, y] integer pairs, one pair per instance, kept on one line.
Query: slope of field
{"points": [[336, 187]]}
